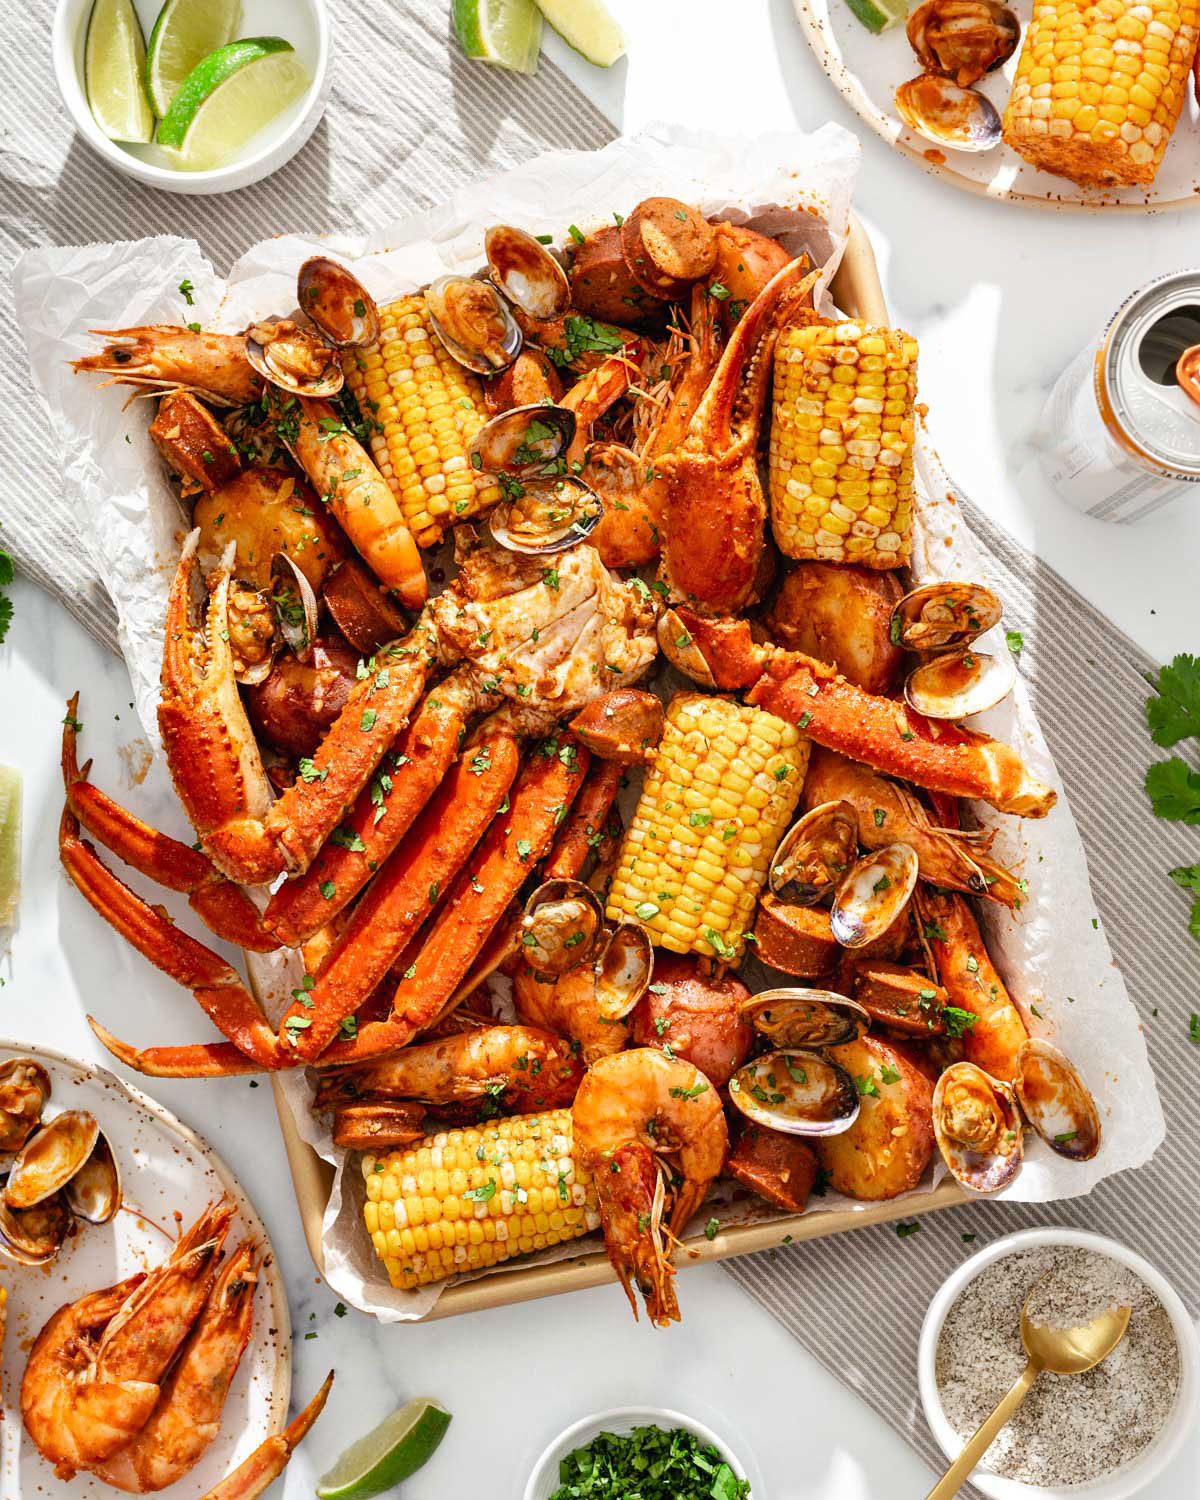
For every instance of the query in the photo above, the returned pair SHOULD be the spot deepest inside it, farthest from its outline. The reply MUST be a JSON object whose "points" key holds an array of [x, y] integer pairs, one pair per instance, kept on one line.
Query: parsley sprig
{"points": [[1173, 715]]}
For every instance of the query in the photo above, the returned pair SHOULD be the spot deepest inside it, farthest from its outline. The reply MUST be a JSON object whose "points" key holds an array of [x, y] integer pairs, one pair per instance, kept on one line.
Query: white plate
{"points": [[866, 68], [165, 1169]]}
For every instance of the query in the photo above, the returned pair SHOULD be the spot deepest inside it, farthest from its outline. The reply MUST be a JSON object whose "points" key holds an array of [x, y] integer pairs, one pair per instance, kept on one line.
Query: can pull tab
{"points": [[1187, 372]]}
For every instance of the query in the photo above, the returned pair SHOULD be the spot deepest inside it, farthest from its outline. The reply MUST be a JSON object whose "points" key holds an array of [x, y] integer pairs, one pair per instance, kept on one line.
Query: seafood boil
{"points": [[633, 511]]}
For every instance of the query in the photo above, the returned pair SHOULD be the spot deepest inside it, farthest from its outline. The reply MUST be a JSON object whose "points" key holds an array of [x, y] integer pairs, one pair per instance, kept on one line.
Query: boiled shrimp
{"points": [[162, 357], [188, 1415], [566, 1004], [639, 1116], [92, 1379]]}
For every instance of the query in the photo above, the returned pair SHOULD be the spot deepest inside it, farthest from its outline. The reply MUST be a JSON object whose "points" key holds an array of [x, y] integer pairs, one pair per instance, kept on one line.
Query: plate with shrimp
{"points": [[182, 1247]]}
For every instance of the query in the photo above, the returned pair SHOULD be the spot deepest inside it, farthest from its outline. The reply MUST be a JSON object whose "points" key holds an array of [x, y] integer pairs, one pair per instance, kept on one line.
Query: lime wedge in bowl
{"points": [[113, 55], [229, 97], [393, 1451], [587, 26], [878, 15], [184, 34], [505, 32]]}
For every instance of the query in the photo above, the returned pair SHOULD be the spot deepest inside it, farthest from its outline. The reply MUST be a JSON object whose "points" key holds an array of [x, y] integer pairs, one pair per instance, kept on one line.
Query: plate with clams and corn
{"points": [[600, 733]]}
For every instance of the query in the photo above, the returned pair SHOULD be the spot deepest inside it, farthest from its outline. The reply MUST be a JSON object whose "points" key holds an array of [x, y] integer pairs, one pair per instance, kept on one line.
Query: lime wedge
{"points": [[112, 72], [587, 26], [397, 1448], [878, 15], [10, 843], [229, 96], [505, 32], [184, 34]]}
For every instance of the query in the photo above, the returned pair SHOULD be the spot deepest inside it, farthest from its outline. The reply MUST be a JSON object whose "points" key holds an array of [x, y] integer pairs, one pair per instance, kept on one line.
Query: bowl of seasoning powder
{"points": [[1106, 1434]]}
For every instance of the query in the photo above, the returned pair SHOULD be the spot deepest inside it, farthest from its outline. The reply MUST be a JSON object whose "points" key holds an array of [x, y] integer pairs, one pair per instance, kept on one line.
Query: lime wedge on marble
{"points": [[113, 55], [505, 32], [393, 1451], [184, 34], [229, 97], [878, 15], [587, 26], [10, 843]]}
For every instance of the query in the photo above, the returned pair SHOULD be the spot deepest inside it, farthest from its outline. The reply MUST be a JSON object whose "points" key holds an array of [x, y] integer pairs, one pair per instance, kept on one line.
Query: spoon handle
{"points": [[959, 1471]]}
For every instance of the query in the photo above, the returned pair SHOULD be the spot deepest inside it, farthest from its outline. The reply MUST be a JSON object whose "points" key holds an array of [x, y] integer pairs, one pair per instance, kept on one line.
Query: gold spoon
{"points": [[1062, 1351]]}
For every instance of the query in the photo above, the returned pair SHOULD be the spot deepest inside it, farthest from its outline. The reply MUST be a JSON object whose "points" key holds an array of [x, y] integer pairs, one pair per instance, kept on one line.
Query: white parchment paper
{"points": [[1052, 953]]}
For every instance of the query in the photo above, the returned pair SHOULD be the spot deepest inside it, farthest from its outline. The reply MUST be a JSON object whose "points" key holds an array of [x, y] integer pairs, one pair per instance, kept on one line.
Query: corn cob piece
{"points": [[1099, 86], [461, 1200], [426, 408], [841, 451], [714, 805]]}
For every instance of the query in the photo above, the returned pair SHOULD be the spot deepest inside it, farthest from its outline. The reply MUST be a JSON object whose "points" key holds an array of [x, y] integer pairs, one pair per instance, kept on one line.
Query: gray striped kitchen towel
{"points": [[847, 1300], [409, 119]]}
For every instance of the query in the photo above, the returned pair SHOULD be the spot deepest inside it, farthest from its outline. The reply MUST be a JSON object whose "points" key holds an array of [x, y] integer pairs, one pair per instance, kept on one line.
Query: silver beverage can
{"points": [[1118, 437]]}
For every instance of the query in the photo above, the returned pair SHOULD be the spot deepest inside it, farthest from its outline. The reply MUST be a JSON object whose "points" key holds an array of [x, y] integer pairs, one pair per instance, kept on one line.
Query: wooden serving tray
{"points": [[856, 289]]}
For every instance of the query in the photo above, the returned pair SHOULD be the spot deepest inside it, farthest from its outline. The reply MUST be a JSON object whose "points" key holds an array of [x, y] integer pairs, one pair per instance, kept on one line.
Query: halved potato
{"points": [[841, 615], [886, 1150]]}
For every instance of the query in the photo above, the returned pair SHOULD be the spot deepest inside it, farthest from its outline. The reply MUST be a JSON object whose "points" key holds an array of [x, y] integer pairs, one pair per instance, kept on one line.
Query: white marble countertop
{"points": [[1000, 298]]}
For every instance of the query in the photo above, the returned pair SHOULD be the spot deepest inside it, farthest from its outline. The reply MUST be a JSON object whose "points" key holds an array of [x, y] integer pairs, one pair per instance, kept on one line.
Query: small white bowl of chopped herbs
{"points": [[193, 96], [615, 1452], [1107, 1434]]}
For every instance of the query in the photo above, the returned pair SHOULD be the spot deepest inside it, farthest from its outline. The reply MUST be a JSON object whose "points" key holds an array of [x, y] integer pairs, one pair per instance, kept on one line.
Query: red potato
{"points": [[886, 1150], [696, 1016], [294, 706], [841, 615], [745, 262], [780, 1168], [601, 284], [265, 511]]}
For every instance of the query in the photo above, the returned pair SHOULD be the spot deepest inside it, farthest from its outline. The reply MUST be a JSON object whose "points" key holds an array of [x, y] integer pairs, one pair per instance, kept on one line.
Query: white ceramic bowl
{"points": [[622, 1419], [304, 23], [1132, 1478]]}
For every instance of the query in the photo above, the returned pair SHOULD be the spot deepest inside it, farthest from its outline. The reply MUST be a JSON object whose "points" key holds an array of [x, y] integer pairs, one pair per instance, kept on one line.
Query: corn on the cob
{"points": [[714, 805], [425, 409], [841, 460], [1099, 86], [464, 1199]]}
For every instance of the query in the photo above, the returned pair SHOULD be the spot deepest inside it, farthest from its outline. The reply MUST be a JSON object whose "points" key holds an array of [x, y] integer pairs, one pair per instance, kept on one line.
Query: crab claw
{"points": [[717, 653], [270, 1459]]}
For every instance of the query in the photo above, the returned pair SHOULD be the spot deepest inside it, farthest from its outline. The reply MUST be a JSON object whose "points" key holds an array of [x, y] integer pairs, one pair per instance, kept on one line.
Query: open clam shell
{"points": [[24, 1089], [1056, 1101], [796, 1091], [539, 516], [294, 360], [624, 969], [526, 272], [960, 683], [473, 322], [677, 645], [526, 441], [294, 605], [50, 1158], [946, 113], [94, 1193], [338, 304], [977, 1127], [561, 925], [815, 853], [872, 894], [942, 616], [34, 1236], [812, 1019], [963, 39]]}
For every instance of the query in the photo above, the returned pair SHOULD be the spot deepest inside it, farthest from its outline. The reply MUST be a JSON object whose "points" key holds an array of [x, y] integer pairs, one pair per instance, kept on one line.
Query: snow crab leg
{"points": [[270, 1459]]}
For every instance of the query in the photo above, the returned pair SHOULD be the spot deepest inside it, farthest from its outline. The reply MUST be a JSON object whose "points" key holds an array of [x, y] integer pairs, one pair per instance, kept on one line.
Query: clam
{"points": [[977, 1127], [539, 516], [337, 303], [48, 1160], [526, 272], [561, 925], [294, 360], [942, 616], [94, 1193], [872, 894], [34, 1236], [474, 323], [815, 853], [624, 969], [805, 1018], [960, 683], [963, 39], [295, 605], [797, 1092], [676, 644], [1056, 1101], [24, 1090], [526, 441], [948, 114], [250, 624]]}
